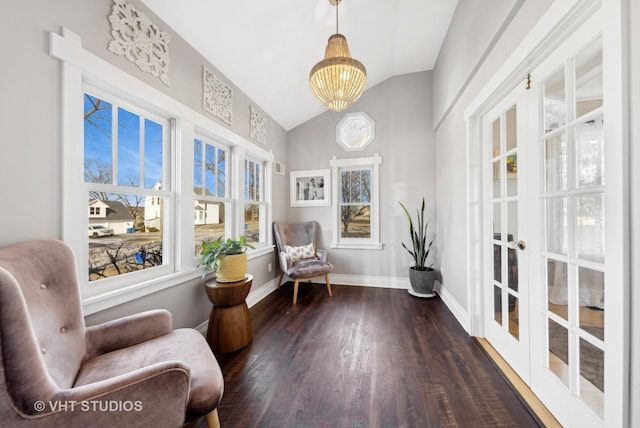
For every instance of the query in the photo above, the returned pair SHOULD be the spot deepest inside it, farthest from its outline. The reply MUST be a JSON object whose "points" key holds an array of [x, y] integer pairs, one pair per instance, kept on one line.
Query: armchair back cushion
{"points": [[295, 235], [39, 296]]}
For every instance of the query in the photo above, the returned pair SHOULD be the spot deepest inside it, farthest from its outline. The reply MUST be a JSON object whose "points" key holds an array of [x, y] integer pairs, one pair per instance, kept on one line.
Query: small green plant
{"points": [[214, 250], [418, 234]]}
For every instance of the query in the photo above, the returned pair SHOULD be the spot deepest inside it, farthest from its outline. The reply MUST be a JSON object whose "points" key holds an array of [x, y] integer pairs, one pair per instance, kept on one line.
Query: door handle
{"points": [[512, 245]]}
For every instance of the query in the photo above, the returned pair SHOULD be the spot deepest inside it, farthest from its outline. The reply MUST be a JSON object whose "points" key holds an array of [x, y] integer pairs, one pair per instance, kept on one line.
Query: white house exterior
{"points": [[110, 214]]}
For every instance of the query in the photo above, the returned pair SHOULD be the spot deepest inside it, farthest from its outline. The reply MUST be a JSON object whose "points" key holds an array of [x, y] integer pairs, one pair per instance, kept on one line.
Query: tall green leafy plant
{"points": [[214, 250], [418, 232]]}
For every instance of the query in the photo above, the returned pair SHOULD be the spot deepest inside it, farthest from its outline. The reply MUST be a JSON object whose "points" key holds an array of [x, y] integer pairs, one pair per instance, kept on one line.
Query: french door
{"points": [[546, 201], [506, 296]]}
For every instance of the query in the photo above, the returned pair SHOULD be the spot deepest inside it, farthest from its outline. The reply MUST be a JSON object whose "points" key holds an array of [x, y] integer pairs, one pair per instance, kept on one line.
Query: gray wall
{"points": [[401, 109], [451, 158], [30, 146]]}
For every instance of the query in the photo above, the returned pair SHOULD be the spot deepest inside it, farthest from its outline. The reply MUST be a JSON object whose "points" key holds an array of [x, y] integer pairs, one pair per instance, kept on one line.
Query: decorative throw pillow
{"points": [[299, 253]]}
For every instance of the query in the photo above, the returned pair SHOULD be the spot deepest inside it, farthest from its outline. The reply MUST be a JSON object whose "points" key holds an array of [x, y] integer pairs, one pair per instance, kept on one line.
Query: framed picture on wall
{"points": [[310, 188]]}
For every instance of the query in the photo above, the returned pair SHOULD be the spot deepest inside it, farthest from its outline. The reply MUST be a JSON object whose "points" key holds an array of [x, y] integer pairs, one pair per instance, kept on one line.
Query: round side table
{"points": [[230, 322]]}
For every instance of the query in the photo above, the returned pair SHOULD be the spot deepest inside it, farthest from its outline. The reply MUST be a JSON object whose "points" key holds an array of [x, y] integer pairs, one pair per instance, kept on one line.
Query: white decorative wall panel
{"points": [[258, 126], [217, 97], [139, 40]]}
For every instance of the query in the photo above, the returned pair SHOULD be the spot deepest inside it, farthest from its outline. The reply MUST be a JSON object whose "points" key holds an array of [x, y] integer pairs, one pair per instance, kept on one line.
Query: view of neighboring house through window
{"points": [[210, 186], [124, 172], [254, 203]]}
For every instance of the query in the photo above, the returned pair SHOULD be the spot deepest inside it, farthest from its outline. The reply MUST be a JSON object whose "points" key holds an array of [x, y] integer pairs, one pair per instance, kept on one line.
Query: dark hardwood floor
{"points": [[366, 357]]}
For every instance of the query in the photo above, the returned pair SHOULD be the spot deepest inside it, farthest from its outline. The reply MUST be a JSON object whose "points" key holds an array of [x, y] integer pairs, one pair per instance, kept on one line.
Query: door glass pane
{"points": [[497, 220], [591, 292], [589, 79], [592, 376], [497, 263], [555, 107], [559, 351], [497, 304], [497, 182], [590, 227], [556, 222], [512, 237], [495, 137], [511, 131], [590, 153], [557, 288], [514, 327], [556, 163], [511, 172]]}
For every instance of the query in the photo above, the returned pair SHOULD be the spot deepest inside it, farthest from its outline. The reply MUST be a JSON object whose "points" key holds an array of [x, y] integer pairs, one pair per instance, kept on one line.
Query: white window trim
{"points": [[80, 67], [372, 243]]}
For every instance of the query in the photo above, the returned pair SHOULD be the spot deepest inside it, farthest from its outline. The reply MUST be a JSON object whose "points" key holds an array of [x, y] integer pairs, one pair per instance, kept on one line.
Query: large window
{"points": [[210, 186], [254, 202], [146, 179], [356, 198], [124, 172]]}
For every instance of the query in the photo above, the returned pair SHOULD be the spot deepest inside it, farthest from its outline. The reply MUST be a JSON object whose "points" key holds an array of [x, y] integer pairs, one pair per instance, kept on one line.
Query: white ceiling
{"points": [[267, 48]]}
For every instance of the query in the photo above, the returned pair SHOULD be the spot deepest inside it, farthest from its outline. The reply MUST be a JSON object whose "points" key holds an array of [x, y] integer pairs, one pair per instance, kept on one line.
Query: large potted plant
{"points": [[421, 276], [228, 259]]}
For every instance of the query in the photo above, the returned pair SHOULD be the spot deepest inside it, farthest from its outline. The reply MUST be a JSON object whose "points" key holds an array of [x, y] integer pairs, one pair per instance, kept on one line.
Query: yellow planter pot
{"points": [[231, 268]]}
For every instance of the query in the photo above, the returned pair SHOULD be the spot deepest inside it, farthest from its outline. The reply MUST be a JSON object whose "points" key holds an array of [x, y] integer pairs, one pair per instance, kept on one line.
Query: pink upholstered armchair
{"points": [[299, 257], [56, 372]]}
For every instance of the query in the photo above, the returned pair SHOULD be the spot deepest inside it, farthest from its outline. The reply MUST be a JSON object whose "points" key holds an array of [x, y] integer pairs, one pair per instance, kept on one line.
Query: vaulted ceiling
{"points": [[267, 48]]}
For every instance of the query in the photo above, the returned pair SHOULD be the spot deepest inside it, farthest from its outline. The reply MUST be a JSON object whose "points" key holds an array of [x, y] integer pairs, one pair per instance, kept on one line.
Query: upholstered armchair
{"points": [[56, 372], [299, 257]]}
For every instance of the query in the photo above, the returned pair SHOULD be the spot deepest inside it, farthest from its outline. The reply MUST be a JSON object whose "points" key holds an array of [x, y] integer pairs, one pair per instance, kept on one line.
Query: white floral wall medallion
{"points": [[217, 97], [258, 126], [355, 131], [139, 40]]}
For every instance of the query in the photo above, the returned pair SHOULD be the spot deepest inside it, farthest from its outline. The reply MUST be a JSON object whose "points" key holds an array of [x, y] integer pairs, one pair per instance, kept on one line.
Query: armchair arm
{"points": [[155, 395], [285, 261], [127, 331], [322, 255]]}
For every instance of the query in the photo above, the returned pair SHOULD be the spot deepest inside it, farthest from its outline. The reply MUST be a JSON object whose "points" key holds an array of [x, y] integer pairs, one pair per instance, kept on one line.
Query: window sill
{"points": [[109, 299], [354, 246]]}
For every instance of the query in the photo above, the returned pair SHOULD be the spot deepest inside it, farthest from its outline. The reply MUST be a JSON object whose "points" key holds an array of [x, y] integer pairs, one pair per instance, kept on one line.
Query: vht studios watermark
{"points": [[88, 406]]}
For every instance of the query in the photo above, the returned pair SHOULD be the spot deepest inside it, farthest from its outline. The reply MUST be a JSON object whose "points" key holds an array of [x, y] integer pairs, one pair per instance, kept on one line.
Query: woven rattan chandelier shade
{"points": [[338, 80]]}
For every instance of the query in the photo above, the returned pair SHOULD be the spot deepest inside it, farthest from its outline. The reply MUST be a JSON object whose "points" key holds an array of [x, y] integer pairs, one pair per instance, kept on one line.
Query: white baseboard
{"points": [[261, 292], [456, 309], [370, 281], [362, 281]]}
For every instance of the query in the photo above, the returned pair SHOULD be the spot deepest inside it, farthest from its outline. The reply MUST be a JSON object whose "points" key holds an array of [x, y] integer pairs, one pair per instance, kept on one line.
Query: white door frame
{"points": [[561, 19]]}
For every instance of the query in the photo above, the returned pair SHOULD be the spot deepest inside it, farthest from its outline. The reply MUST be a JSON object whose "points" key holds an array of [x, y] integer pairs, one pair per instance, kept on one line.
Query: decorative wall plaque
{"points": [[139, 40], [258, 126], [355, 131], [217, 97]]}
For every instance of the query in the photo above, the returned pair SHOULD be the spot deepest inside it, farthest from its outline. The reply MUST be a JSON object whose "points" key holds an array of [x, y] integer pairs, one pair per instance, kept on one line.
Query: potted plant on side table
{"points": [[228, 259], [421, 276]]}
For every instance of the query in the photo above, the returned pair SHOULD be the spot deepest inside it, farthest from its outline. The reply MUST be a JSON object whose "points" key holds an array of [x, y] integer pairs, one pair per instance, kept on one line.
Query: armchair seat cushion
{"points": [[182, 344], [309, 268]]}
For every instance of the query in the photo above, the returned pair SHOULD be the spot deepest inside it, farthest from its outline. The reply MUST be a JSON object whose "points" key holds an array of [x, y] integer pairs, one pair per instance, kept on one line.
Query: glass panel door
{"points": [[572, 150]]}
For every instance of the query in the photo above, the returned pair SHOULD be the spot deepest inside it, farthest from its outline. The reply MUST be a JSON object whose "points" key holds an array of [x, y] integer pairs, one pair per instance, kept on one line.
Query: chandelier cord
{"points": [[337, 3]]}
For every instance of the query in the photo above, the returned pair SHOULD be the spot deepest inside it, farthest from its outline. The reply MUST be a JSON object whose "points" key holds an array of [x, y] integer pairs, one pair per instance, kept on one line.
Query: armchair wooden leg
{"points": [[212, 419], [280, 279], [326, 278], [295, 291]]}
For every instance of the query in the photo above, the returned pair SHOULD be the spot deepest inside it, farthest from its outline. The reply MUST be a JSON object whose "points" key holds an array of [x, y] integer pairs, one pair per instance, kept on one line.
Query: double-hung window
{"points": [[126, 179], [149, 179], [356, 198], [254, 202], [212, 199]]}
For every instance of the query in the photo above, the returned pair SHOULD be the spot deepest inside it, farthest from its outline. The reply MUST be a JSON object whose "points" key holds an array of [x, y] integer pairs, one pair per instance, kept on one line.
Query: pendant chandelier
{"points": [[338, 80]]}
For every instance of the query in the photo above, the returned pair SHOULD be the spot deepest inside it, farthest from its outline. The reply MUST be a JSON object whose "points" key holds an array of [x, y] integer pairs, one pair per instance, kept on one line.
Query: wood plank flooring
{"points": [[366, 357]]}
